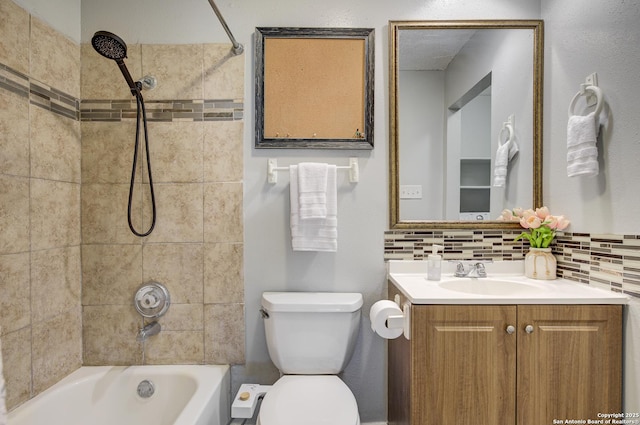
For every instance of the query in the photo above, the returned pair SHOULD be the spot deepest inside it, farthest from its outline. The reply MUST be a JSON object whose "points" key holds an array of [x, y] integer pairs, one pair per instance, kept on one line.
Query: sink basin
{"points": [[505, 284], [488, 286]]}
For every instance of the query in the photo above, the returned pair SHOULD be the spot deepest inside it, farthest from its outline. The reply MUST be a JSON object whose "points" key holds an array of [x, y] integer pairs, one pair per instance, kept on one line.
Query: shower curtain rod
{"points": [[237, 47]]}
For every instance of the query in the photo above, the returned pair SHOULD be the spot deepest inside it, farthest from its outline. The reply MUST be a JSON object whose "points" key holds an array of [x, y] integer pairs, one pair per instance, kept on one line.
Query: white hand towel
{"points": [[312, 188], [504, 154], [314, 234], [582, 153], [3, 394]]}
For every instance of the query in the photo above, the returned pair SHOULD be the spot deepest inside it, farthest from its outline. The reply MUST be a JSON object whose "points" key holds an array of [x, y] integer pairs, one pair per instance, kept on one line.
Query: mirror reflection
{"points": [[465, 104]]}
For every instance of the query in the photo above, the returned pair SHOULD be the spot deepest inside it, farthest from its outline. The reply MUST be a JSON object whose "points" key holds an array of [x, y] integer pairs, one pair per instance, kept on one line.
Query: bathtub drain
{"points": [[146, 389]]}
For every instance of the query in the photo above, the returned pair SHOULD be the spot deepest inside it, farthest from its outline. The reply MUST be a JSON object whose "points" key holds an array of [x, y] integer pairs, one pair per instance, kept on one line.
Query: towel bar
{"points": [[353, 168]]}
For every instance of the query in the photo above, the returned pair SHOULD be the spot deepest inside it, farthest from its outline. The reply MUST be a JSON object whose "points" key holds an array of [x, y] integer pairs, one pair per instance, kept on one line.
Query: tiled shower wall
{"points": [[195, 132], [609, 261], [68, 264], [40, 235]]}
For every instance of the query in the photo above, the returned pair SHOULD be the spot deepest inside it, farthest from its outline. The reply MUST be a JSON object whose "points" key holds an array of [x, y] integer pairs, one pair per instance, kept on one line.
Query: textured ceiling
{"points": [[430, 49]]}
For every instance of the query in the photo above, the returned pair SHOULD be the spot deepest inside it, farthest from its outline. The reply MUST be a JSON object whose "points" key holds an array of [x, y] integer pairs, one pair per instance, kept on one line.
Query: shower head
{"points": [[109, 45], [113, 47]]}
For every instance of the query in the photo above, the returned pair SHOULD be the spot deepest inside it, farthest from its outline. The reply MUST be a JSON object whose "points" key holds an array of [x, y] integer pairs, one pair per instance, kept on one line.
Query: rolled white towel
{"points": [[582, 152]]}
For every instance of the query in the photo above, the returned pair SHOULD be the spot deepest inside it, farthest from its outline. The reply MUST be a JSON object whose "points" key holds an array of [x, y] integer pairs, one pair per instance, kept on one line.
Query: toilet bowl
{"points": [[309, 400], [311, 338]]}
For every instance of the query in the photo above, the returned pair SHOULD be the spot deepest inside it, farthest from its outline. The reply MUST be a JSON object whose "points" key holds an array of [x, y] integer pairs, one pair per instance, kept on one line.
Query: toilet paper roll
{"points": [[380, 312]]}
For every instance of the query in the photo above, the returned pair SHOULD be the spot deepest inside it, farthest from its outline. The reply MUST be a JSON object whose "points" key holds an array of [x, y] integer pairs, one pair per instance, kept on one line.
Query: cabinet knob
{"points": [[511, 329], [529, 329]]}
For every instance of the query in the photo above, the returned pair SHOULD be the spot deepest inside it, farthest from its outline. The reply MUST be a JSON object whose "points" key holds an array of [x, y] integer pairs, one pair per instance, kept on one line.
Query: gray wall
{"points": [[421, 106]]}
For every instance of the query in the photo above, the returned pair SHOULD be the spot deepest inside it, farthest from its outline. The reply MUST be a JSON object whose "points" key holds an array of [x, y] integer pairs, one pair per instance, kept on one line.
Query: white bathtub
{"points": [[107, 395]]}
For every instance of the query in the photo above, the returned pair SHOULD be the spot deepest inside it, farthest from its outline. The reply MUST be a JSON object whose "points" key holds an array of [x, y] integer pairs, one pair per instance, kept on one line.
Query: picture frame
{"points": [[314, 88]]}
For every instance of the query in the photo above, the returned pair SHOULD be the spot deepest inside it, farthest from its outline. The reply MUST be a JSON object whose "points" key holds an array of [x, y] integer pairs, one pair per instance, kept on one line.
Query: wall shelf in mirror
{"points": [[451, 83], [314, 88]]}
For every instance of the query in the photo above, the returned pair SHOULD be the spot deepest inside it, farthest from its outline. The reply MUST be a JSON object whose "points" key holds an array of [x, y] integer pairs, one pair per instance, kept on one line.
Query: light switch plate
{"points": [[411, 191]]}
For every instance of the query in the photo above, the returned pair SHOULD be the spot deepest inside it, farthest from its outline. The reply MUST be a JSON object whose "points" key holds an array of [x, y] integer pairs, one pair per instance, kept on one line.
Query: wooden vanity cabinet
{"points": [[462, 366], [570, 366]]}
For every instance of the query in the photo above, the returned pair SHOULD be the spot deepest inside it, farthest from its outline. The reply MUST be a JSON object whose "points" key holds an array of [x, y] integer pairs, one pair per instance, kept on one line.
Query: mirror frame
{"points": [[394, 181], [367, 35]]}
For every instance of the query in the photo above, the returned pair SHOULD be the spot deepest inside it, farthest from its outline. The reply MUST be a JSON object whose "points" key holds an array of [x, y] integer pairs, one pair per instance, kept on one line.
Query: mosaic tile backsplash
{"points": [[607, 261]]}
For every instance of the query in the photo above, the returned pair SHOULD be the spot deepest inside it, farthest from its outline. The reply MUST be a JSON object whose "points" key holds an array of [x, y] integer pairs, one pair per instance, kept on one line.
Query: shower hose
{"points": [[141, 115]]}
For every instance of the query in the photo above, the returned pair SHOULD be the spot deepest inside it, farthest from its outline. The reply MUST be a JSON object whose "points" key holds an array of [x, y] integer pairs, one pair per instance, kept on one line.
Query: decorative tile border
{"points": [[39, 94], [61, 103], [608, 261], [14, 81], [162, 110], [54, 100]]}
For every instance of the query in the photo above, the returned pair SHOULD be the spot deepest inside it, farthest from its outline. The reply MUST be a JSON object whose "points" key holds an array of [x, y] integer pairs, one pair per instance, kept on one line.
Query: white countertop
{"points": [[505, 284]]}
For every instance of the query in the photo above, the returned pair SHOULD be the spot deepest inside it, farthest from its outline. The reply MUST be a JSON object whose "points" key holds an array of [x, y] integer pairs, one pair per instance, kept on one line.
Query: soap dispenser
{"points": [[434, 263]]}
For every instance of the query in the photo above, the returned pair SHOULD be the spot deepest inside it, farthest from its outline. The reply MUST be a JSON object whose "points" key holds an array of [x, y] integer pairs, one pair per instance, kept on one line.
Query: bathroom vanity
{"points": [[506, 350]]}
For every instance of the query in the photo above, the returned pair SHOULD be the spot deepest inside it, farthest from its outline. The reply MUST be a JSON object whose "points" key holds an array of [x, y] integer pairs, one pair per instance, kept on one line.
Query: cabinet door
{"points": [[463, 365], [569, 364]]}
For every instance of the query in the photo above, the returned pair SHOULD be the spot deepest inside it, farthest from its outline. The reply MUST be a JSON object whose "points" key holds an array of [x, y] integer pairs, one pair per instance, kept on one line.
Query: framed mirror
{"points": [[465, 126], [314, 88]]}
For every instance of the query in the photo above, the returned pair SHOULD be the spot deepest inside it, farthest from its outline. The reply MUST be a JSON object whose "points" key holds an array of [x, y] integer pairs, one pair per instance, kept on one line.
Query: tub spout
{"points": [[148, 330]]}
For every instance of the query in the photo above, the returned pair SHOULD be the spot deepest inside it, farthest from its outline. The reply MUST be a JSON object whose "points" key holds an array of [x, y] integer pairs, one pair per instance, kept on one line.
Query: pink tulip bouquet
{"points": [[541, 224]]}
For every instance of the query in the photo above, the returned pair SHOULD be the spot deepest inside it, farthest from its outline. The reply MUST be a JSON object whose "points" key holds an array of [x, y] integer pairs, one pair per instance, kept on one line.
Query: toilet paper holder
{"points": [[396, 322], [404, 320], [392, 322]]}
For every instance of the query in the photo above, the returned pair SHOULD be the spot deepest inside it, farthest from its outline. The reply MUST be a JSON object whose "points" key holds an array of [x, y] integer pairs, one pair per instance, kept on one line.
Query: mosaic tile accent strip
{"points": [[14, 81], [607, 261], [54, 100], [39, 94], [163, 111], [61, 103]]}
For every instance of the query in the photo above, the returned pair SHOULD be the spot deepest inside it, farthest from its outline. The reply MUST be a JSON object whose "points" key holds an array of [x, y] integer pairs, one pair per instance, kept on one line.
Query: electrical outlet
{"points": [[411, 191]]}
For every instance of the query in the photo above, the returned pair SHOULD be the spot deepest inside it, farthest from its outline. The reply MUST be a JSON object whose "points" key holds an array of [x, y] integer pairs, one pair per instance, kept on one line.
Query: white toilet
{"points": [[310, 337]]}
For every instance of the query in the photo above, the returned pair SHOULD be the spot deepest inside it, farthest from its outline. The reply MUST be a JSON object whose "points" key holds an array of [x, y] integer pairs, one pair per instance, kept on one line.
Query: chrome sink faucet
{"points": [[476, 269]]}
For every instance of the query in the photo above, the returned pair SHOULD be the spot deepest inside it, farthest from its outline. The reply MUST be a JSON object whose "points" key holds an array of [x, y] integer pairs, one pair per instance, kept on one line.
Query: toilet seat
{"points": [[309, 400]]}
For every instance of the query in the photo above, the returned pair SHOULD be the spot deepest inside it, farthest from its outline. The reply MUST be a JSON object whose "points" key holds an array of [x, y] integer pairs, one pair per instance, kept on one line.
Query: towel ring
{"points": [[509, 127], [583, 89]]}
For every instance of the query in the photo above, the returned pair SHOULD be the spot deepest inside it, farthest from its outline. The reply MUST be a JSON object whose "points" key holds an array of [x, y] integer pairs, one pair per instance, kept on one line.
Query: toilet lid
{"points": [[309, 400]]}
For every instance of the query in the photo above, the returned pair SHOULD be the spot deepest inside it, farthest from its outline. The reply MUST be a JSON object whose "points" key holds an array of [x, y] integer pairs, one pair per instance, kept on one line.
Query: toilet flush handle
{"points": [[264, 313]]}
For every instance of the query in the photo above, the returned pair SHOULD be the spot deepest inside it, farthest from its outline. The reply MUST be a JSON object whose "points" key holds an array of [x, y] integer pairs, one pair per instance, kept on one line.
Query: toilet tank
{"points": [[311, 333]]}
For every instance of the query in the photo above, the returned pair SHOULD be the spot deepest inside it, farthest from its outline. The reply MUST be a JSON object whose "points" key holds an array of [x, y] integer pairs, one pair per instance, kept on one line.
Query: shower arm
{"points": [[237, 47]]}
